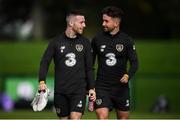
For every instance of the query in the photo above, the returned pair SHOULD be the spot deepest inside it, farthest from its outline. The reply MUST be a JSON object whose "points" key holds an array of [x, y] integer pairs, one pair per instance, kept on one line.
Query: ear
{"points": [[71, 23], [117, 22]]}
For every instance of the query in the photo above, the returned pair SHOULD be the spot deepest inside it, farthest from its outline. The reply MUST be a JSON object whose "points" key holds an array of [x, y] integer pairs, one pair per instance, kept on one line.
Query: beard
{"points": [[107, 29], [80, 31]]}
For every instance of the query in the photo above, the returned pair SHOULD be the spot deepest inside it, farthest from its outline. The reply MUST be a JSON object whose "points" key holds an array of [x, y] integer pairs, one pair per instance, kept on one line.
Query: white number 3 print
{"points": [[111, 59], [71, 61]]}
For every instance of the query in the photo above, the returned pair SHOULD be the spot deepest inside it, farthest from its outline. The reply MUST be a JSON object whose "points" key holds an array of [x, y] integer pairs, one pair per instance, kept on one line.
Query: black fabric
{"points": [[67, 103], [113, 53], [73, 63]]}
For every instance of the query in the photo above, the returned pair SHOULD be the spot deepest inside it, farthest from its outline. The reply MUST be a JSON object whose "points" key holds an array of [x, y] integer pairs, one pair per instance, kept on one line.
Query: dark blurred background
{"points": [[26, 26], [46, 18]]}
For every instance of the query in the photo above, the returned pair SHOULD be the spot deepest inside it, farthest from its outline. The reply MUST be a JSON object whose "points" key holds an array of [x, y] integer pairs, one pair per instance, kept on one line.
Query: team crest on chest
{"points": [[79, 47], [119, 47]]}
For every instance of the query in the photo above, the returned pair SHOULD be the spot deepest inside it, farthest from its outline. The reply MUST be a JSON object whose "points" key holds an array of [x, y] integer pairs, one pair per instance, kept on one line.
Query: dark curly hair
{"points": [[113, 12]]}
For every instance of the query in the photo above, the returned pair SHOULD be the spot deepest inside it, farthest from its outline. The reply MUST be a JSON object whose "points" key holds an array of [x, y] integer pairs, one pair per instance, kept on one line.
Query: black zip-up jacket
{"points": [[113, 54], [73, 64]]}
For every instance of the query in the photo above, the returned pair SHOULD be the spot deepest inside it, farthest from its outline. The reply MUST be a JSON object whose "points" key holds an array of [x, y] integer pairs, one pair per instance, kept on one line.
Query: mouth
{"points": [[80, 30], [105, 28]]}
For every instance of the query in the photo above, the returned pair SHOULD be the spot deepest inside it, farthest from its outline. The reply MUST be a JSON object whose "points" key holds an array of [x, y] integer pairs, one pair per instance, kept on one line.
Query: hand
{"points": [[92, 94], [42, 85], [125, 78]]}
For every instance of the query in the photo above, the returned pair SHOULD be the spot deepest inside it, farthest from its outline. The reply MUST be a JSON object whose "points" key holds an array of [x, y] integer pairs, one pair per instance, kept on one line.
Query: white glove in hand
{"points": [[40, 100]]}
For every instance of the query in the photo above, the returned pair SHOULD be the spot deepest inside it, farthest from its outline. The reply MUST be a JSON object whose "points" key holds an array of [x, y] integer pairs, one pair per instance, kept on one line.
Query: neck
{"points": [[115, 31], [70, 33]]}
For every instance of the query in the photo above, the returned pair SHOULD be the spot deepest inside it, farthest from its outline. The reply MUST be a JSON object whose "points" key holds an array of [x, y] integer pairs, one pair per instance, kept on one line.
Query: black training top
{"points": [[73, 64], [113, 54]]}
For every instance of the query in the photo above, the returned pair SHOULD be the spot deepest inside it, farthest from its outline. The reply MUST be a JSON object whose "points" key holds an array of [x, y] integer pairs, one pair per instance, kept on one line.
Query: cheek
{"points": [[112, 24], [76, 26], [109, 25]]}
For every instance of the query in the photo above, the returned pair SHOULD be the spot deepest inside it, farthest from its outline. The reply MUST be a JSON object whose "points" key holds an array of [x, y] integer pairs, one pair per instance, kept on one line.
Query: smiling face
{"points": [[79, 24], [76, 23], [109, 23]]}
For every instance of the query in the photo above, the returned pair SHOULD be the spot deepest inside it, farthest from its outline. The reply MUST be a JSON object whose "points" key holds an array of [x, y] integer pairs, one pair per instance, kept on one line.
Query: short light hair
{"points": [[73, 13]]}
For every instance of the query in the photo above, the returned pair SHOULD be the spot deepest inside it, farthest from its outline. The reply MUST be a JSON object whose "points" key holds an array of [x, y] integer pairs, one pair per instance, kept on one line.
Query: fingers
{"points": [[42, 85], [124, 79], [92, 94]]}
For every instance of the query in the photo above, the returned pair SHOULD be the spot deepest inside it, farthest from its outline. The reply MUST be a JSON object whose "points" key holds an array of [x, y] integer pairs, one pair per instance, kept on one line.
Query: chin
{"points": [[106, 30], [80, 32]]}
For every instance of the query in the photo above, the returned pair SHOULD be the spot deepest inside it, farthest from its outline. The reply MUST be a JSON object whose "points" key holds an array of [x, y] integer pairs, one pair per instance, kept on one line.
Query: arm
{"points": [[132, 56], [89, 71], [94, 50], [44, 65]]}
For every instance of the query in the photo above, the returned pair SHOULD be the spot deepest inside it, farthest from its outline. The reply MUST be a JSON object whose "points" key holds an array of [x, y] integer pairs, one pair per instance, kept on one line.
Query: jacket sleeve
{"points": [[89, 66], [132, 56], [46, 60], [94, 50]]}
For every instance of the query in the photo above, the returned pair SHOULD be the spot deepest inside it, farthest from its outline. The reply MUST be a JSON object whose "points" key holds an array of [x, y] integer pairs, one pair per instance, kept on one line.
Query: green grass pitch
{"points": [[29, 114]]}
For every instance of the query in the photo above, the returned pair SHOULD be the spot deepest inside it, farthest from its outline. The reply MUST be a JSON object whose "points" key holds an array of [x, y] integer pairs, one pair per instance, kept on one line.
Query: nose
{"points": [[103, 24], [84, 25]]}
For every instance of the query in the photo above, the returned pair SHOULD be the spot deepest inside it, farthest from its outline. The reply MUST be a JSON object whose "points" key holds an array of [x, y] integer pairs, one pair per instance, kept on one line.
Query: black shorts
{"points": [[118, 99], [65, 104]]}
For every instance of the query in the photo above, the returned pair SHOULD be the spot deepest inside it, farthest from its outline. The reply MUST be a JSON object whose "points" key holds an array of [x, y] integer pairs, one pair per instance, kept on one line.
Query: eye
{"points": [[105, 20], [82, 22]]}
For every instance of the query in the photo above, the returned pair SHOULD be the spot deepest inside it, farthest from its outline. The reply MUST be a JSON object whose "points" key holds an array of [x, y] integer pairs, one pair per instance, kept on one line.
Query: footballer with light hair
{"points": [[72, 56]]}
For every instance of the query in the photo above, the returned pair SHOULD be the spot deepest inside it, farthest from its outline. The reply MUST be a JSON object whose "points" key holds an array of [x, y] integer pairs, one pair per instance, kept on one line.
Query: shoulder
{"points": [[55, 40], [84, 40], [126, 37], [98, 36]]}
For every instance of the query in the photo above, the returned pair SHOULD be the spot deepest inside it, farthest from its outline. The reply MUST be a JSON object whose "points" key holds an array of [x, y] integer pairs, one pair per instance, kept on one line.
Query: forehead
{"points": [[80, 18], [106, 17]]}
